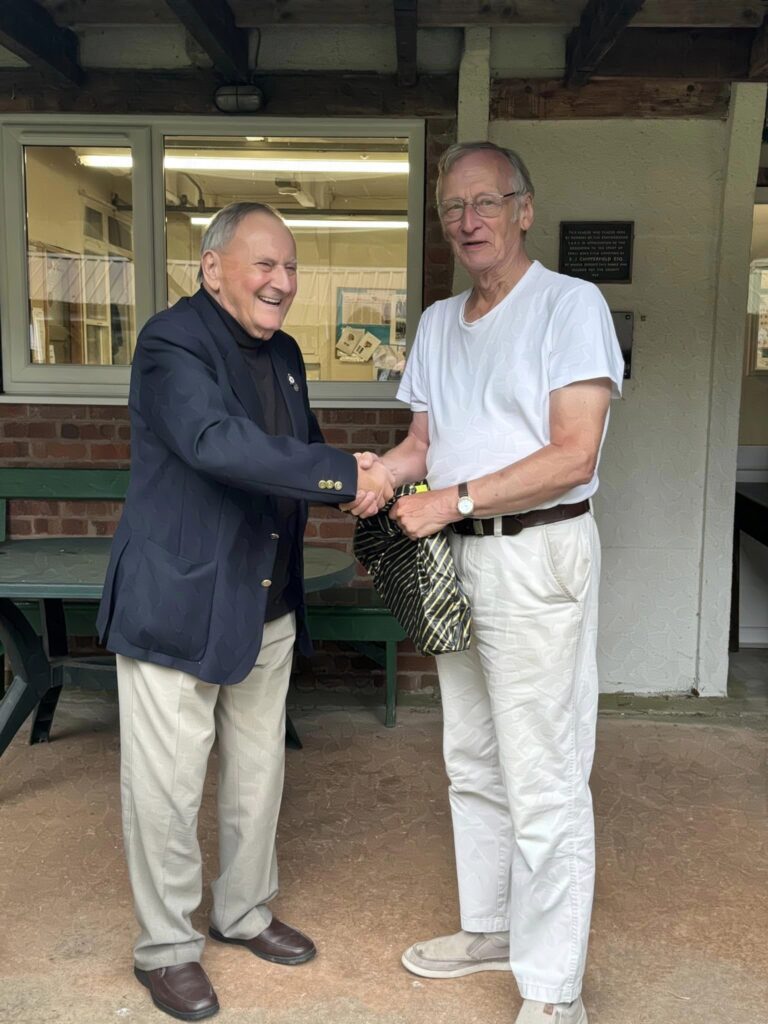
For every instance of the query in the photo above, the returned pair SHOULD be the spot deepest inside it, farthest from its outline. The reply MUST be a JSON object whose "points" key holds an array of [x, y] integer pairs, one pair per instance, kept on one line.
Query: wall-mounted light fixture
{"points": [[238, 99]]}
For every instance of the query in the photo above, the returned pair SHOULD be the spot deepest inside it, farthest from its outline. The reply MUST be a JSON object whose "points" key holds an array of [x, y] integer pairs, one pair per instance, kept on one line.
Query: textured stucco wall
{"points": [[669, 178]]}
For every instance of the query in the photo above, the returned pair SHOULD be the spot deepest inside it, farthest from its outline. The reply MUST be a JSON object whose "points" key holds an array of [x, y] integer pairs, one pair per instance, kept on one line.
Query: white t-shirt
{"points": [[485, 385]]}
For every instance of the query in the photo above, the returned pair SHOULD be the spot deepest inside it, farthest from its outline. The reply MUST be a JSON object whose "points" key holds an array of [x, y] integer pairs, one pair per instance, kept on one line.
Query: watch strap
{"points": [[463, 490]]}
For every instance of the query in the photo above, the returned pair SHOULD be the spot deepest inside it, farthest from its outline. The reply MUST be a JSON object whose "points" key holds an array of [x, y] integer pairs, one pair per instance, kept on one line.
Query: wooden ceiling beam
{"points": [[432, 13], [191, 92], [212, 25], [601, 24], [652, 53], [406, 12], [758, 58], [29, 31], [538, 99]]}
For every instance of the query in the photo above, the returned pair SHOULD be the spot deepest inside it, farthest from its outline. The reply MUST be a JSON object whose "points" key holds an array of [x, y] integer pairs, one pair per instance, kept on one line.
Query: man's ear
{"points": [[210, 265], [525, 215]]}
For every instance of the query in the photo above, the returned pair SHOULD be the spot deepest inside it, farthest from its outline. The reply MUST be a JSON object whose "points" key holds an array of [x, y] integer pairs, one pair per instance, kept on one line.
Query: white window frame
{"points": [[146, 137]]}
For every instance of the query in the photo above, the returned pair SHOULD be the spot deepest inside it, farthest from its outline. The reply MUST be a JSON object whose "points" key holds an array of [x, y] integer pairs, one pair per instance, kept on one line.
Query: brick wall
{"points": [[86, 436]]}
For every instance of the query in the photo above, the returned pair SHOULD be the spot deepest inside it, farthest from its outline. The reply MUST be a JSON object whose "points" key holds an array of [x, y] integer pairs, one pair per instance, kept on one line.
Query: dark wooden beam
{"points": [[758, 58], [406, 12], [536, 99], [29, 31], [212, 25], [719, 54], [191, 92], [432, 13], [601, 24]]}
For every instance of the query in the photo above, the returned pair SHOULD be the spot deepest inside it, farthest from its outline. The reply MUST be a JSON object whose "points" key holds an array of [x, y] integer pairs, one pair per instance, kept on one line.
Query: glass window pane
{"points": [[346, 201], [80, 254]]}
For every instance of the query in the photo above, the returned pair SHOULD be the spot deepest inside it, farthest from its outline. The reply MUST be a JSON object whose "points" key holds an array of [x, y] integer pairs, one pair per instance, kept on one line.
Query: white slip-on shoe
{"points": [[533, 1012], [453, 956]]}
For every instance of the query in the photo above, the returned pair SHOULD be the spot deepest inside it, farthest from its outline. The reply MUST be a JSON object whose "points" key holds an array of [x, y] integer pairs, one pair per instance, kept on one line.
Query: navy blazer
{"points": [[194, 550]]}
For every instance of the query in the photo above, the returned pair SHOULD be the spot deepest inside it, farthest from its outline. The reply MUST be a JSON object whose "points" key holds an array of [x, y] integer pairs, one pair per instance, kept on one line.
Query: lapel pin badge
{"points": [[292, 380]]}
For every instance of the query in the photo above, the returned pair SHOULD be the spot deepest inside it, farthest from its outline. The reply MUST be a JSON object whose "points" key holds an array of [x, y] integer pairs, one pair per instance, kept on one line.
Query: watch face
{"points": [[466, 506]]}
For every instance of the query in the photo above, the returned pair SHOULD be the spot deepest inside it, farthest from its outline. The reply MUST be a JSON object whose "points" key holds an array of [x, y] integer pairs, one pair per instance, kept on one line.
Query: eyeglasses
{"points": [[487, 205]]}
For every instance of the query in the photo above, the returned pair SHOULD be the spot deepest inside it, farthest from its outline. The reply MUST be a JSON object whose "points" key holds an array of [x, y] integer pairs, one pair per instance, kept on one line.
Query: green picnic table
{"points": [[54, 571]]}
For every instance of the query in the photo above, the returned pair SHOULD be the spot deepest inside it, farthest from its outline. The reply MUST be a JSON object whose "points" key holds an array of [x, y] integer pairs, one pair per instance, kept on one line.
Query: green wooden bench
{"points": [[346, 614], [60, 485], [357, 616]]}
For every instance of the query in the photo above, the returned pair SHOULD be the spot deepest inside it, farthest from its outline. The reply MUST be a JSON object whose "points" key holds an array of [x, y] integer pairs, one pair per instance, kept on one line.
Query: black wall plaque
{"points": [[597, 250]]}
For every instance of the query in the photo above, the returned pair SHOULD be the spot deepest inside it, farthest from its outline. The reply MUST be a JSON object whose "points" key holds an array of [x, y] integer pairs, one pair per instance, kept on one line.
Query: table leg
{"points": [[733, 637], [291, 736], [31, 668], [391, 684]]}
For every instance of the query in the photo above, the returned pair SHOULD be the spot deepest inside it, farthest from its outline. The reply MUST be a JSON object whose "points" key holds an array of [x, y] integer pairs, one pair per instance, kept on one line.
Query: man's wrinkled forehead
{"points": [[482, 170], [260, 231]]}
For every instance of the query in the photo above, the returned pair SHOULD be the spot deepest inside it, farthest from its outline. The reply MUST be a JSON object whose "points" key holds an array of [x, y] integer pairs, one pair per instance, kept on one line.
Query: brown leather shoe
{"points": [[278, 943], [183, 990]]}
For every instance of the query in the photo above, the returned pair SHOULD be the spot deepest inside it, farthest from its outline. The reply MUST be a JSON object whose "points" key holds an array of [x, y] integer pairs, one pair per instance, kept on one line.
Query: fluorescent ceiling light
{"points": [[119, 161], [351, 222], [341, 223]]}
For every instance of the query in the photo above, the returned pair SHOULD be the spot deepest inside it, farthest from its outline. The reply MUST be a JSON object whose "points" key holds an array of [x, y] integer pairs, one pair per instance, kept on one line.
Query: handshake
{"points": [[375, 486]]}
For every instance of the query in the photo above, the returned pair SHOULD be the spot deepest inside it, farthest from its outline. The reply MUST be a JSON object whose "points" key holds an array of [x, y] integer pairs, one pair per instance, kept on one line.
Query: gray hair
{"points": [[455, 152], [222, 228]]}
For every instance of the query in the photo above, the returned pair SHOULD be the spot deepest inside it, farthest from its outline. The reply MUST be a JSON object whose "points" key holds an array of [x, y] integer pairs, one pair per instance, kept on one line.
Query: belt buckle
{"points": [[477, 526]]}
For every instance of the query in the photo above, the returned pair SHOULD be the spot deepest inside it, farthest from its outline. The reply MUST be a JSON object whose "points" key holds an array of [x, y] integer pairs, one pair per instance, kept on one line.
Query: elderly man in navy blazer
{"points": [[203, 600]]}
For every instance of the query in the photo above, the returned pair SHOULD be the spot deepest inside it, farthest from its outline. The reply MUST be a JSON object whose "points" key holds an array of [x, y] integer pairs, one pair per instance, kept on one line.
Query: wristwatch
{"points": [[465, 505]]}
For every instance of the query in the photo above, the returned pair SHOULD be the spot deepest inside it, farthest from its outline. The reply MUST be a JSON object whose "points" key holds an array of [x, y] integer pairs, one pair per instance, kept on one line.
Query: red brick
{"points": [[110, 452], [14, 449], [34, 508], [59, 412], [20, 528], [104, 529], [47, 527], [334, 529], [336, 435], [398, 417], [62, 450], [74, 527], [355, 416], [108, 412], [438, 254], [12, 412], [370, 437], [18, 428]]}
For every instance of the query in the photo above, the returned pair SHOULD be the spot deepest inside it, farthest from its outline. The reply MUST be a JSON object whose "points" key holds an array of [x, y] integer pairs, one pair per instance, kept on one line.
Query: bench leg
{"points": [[32, 671], [43, 720], [291, 735], [391, 684]]}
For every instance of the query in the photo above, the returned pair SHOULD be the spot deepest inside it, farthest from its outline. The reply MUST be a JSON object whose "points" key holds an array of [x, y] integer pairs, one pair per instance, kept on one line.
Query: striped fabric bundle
{"points": [[416, 579]]}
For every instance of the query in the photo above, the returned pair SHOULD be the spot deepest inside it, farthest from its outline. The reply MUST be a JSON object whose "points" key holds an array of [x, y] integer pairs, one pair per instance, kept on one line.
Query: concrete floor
{"points": [[681, 913]]}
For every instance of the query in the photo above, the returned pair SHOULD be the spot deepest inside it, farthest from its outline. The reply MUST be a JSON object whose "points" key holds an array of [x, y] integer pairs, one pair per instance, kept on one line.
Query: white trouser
{"points": [[520, 709], [168, 722]]}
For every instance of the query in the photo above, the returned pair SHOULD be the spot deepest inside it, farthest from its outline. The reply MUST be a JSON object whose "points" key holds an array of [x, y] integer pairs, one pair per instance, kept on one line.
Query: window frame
{"points": [[146, 137]]}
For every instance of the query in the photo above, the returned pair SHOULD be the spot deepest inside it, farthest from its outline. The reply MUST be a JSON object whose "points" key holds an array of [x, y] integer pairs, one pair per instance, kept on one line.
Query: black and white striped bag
{"points": [[416, 579]]}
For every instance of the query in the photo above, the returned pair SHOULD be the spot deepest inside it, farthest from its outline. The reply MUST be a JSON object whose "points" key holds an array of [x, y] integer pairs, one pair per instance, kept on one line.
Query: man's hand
{"points": [[421, 515], [374, 486]]}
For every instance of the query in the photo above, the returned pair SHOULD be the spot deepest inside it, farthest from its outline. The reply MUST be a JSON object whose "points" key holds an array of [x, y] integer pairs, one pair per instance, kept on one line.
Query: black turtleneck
{"points": [[283, 598]]}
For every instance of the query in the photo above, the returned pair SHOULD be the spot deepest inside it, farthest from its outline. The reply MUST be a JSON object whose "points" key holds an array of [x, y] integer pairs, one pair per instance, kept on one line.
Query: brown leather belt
{"points": [[512, 525]]}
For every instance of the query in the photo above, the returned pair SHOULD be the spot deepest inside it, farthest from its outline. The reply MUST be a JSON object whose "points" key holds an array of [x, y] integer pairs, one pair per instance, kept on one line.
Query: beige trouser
{"points": [[519, 712], [168, 722]]}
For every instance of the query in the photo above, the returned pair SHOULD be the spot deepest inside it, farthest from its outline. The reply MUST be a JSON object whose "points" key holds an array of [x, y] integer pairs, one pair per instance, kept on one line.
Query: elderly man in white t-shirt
{"points": [[510, 384]]}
